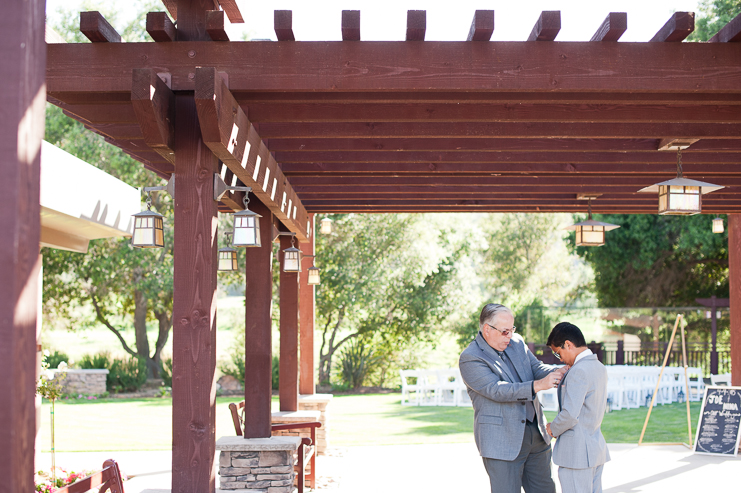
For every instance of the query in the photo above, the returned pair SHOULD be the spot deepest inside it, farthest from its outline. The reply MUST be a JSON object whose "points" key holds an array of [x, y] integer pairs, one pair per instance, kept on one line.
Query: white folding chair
{"points": [[696, 383], [411, 387], [462, 397], [615, 388], [722, 379], [430, 388], [549, 399], [448, 387]]}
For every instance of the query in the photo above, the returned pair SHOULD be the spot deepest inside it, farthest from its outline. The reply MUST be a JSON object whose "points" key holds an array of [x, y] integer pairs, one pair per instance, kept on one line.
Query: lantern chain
{"points": [[149, 200], [589, 207], [679, 163]]}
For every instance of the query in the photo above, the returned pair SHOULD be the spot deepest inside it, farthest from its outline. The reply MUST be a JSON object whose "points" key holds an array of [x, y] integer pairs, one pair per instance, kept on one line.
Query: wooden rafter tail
{"points": [[283, 25], [547, 26], [226, 130], [730, 33], [350, 25], [612, 28], [416, 25], [95, 28], [216, 25], [232, 11], [482, 26], [154, 105], [160, 27], [677, 28]]}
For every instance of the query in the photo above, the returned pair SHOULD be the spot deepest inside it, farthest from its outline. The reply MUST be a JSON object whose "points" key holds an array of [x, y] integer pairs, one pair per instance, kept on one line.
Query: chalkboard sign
{"points": [[720, 416]]}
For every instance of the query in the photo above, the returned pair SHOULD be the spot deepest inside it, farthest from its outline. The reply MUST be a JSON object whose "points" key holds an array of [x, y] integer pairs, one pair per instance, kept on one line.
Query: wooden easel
{"points": [[686, 386]]}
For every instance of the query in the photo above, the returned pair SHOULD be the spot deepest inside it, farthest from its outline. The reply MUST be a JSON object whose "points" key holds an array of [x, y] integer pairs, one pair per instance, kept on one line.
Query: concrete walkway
{"points": [[450, 468]]}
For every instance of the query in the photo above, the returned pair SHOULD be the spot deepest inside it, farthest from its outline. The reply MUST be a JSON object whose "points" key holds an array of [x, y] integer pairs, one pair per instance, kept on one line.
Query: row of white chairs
{"points": [[433, 388]]}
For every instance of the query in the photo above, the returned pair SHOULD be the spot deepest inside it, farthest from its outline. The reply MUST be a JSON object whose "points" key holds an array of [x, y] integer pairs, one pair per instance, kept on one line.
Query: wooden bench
{"points": [[306, 451], [108, 480]]}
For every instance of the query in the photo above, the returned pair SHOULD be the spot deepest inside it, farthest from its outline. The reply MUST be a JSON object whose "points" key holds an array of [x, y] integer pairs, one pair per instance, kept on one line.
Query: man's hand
{"points": [[548, 429], [549, 381]]}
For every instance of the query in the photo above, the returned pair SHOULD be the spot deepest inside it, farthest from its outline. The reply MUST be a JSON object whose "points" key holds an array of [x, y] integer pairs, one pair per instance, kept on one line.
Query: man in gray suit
{"points": [[502, 377], [580, 450]]}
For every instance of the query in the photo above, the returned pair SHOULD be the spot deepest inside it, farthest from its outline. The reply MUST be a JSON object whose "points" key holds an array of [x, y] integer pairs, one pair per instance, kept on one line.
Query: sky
{"points": [[385, 20]]}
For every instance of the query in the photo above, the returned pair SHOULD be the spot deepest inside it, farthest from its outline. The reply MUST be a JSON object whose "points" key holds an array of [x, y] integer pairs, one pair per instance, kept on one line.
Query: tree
{"points": [[386, 280], [654, 260], [714, 14]]}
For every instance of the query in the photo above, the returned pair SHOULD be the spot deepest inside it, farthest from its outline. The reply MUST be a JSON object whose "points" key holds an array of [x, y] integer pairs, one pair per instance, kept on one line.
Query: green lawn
{"points": [[145, 424]]}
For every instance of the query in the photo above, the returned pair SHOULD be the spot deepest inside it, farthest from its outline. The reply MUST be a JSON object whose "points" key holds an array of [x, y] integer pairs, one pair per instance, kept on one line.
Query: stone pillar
{"points": [[306, 383], [734, 278], [320, 403], [289, 298], [257, 464]]}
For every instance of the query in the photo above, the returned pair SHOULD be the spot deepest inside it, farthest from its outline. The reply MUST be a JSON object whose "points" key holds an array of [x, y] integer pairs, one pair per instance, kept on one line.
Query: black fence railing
{"points": [[699, 354]]}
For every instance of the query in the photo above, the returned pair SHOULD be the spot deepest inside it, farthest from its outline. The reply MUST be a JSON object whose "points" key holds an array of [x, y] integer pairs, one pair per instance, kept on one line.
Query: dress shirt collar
{"points": [[582, 355]]}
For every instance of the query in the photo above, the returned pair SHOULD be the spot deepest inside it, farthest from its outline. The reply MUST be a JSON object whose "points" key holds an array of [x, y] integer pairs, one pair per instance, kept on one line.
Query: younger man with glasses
{"points": [[502, 377], [580, 449]]}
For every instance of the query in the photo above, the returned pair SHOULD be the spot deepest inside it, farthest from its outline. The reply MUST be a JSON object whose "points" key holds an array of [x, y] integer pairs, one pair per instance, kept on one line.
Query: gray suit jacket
{"points": [[498, 398], [583, 397]]}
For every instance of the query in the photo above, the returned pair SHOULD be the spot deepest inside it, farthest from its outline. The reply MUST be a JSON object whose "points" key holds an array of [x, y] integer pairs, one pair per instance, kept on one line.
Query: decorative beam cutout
{"points": [[677, 28], [416, 25], [730, 33], [350, 25], [160, 27], [482, 26], [154, 106], [233, 139], [216, 25], [612, 28], [674, 144], [232, 11], [283, 24], [547, 27], [95, 28]]}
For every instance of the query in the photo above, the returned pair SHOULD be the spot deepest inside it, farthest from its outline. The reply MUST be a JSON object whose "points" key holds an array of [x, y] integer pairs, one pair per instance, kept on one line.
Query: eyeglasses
{"points": [[557, 355], [504, 332]]}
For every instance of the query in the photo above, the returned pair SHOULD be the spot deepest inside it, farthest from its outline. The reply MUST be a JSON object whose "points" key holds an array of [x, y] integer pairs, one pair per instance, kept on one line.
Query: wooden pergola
{"points": [[347, 126]]}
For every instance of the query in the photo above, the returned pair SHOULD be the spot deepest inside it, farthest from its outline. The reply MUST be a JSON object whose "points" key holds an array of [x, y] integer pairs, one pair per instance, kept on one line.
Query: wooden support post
{"points": [[306, 315], [482, 26], [258, 329], [289, 298], [416, 25], [194, 306], [620, 353], [734, 279], [350, 25], [547, 27], [23, 58], [713, 337]]}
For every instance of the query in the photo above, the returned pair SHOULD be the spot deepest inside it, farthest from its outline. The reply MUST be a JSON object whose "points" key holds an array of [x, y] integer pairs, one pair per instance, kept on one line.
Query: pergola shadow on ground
{"points": [[348, 126]]}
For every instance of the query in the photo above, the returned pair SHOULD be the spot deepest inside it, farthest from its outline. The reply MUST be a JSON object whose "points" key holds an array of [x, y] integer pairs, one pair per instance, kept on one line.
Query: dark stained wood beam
{"points": [[500, 130], [154, 106], [160, 27], [172, 8], [730, 33], [289, 319], [216, 25], [677, 28], [307, 305], [283, 24], [506, 66], [734, 278], [351, 25], [232, 11], [612, 28], [95, 28], [416, 25], [547, 27], [409, 191], [233, 139], [23, 59], [482, 26]]}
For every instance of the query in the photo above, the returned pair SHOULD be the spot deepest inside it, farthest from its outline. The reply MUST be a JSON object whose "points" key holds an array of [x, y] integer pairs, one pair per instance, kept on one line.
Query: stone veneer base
{"points": [[257, 465]]}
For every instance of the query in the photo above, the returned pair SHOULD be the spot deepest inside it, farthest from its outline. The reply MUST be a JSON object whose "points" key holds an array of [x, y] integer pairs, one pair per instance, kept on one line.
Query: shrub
{"points": [[276, 372], [235, 367], [54, 358], [126, 375], [95, 361], [356, 362], [166, 371]]}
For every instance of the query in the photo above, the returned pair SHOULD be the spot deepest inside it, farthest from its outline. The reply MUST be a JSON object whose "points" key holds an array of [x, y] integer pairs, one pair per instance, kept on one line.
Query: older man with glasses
{"points": [[503, 377]]}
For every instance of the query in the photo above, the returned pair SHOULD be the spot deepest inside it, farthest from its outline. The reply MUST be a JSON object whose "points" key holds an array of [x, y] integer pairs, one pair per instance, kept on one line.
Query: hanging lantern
{"points": [[681, 196], [228, 258], [292, 258], [246, 227], [718, 225], [313, 276], [591, 232], [326, 228], [148, 229]]}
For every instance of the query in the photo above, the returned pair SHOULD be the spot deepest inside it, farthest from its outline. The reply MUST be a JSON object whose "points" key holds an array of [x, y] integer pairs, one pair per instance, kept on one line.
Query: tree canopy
{"points": [[713, 15]]}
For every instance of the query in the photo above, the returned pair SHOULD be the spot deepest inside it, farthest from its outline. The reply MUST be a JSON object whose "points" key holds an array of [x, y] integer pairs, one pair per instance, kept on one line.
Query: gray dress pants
{"points": [[531, 469]]}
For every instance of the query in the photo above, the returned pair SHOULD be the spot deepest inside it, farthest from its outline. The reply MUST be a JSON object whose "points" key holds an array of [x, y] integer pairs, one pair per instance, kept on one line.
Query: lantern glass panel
{"points": [[228, 260], [590, 235], [313, 276], [290, 260], [246, 231], [718, 225], [679, 200], [326, 226], [148, 230]]}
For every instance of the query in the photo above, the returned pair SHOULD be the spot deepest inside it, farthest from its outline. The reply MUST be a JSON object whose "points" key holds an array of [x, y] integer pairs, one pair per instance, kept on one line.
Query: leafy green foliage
{"points": [[713, 15], [166, 371], [356, 362], [95, 361], [235, 366], [55, 357], [126, 374], [654, 260]]}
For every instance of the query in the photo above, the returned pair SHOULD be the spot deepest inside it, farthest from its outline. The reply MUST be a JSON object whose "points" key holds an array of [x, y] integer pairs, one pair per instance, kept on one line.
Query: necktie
{"points": [[563, 378], [529, 408]]}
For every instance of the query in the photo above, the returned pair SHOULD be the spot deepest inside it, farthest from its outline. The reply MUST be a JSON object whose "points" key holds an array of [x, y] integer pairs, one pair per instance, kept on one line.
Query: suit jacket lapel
{"points": [[494, 358], [516, 358]]}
